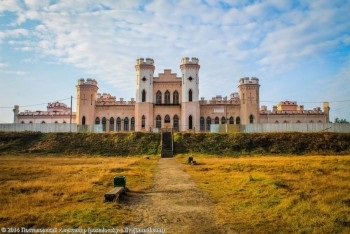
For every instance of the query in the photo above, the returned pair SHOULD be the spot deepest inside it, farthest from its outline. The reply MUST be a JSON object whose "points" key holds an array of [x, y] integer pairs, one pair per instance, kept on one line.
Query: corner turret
{"points": [[86, 98]]}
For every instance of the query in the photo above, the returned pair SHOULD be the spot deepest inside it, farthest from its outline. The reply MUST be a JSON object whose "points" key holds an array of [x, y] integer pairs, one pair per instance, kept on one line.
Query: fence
{"points": [[48, 127]]}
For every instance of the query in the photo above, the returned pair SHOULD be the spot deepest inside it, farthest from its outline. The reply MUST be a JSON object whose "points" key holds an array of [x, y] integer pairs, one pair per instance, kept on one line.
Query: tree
{"points": [[337, 120]]}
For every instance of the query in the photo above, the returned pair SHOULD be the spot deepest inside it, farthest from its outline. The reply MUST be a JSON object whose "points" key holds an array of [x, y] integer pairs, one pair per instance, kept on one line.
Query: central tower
{"points": [[190, 94]]}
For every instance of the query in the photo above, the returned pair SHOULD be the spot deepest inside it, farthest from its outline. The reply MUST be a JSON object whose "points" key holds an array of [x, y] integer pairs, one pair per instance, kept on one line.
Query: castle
{"points": [[171, 101]]}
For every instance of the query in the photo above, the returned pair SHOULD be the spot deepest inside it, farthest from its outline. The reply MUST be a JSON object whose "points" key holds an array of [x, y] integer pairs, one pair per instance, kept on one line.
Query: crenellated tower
{"points": [[190, 112], [86, 98], [144, 94], [249, 95]]}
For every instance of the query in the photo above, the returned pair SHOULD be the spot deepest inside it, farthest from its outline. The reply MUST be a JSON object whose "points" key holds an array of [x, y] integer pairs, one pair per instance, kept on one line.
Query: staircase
{"points": [[167, 143]]}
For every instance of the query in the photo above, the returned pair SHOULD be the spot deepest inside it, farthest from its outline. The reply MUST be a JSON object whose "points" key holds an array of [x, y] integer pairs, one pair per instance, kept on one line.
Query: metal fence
{"points": [[49, 127]]}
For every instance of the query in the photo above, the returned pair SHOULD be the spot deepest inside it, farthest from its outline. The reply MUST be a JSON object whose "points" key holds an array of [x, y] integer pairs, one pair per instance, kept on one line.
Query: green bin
{"points": [[119, 181]]}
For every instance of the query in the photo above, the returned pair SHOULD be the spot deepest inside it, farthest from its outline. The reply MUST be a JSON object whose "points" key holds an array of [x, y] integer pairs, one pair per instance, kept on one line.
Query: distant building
{"points": [[171, 101]]}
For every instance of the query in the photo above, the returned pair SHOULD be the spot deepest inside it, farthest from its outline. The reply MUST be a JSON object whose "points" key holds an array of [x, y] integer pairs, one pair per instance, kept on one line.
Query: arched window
{"points": [[190, 95], [238, 120], [167, 119], [202, 124], [298, 121], [42, 122], [159, 97], [119, 124], [83, 120], [311, 121], [217, 121], [132, 124], [22, 122], [104, 124], [190, 124], [143, 122], [176, 123], [232, 120], [208, 123], [276, 121], [285, 121], [126, 124], [176, 97], [64, 122], [167, 97], [111, 124], [97, 120], [56, 122], [158, 121], [143, 95], [251, 119], [30, 122], [223, 120]]}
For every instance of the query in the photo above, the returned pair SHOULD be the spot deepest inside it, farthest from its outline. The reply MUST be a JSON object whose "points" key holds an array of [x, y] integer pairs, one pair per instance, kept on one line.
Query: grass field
{"points": [[52, 191], [300, 194]]}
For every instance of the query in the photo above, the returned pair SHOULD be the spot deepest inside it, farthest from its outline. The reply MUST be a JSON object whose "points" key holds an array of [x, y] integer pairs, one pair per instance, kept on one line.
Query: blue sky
{"points": [[300, 50]]}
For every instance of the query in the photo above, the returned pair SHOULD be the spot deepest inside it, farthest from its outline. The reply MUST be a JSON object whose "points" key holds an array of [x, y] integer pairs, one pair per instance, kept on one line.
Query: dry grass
{"points": [[54, 191], [299, 194]]}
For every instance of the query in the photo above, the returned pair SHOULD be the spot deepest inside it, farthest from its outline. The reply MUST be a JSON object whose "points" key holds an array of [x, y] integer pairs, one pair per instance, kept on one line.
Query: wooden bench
{"points": [[114, 194]]}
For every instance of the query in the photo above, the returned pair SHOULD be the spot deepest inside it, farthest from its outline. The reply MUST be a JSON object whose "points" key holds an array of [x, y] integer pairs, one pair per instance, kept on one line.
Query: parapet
{"points": [[247, 80], [142, 61], [88, 81], [187, 60]]}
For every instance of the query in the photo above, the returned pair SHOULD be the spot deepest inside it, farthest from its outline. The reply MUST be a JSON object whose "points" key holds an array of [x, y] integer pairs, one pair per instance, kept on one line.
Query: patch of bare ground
{"points": [[173, 203]]}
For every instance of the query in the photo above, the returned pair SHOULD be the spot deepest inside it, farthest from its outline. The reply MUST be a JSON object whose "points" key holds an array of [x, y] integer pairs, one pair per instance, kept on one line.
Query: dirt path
{"points": [[174, 203]]}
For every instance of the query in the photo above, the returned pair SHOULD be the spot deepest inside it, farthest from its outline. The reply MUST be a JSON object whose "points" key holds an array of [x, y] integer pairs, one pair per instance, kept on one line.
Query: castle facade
{"points": [[171, 101]]}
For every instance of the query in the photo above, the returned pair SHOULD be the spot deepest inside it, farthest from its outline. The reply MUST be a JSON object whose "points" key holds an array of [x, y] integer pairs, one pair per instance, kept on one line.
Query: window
{"points": [[251, 119], [56, 122], [223, 120], [190, 95], [42, 122], [143, 95], [104, 124], [119, 124], [159, 97], [231, 120], [208, 123], [97, 120], [202, 124], [276, 121], [22, 122], [167, 97], [167, 119], [158, 121], [132, 124], [190, 124], [83, 120], [217, 120], [126, 124], [111, 124], [30, 122], [176, 123], [238, 120], [64, 122], [176, 97], [143, 122]]}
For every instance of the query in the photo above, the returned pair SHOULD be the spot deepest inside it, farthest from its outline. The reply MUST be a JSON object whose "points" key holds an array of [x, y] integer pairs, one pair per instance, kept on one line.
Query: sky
{"points": [[299, 50]]}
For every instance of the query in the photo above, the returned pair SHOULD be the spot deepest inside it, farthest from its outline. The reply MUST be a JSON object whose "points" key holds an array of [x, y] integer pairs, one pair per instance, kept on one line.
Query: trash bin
{"points": [[190, 159], [119, 181]]}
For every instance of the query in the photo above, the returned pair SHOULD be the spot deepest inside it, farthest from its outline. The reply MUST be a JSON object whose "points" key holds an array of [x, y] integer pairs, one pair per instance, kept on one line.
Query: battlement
{"points": [[106, 99], [88, 81], [218, 99], [142, 61], [187, 60], [247, 80]]}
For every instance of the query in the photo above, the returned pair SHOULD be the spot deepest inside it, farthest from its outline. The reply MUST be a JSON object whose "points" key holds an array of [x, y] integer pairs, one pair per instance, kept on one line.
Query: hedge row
{"points": [[137, 143]]}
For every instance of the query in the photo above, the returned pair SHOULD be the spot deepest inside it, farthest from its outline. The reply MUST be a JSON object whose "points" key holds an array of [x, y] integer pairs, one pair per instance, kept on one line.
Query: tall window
{"points": [[202, 124], [208, 122], [119, 124], [232, 120], [167, 119], [217, 121], [159, 97], [167, 97], [132, 124], [126, 124], [83, 120], [238, 120], [176, 97], [223, 120], [111, 124], [190, 124], [158, 121], [143, 122], [190, 95], [251, 119], [176, 123], [143, 95], [104, 124], [97, 120]]}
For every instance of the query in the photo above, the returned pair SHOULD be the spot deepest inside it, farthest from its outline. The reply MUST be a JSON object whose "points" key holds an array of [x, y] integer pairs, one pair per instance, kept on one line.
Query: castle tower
{"points": [[249, 95], [190, 113], [144, 94], [326, 109], [86, 98]]}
